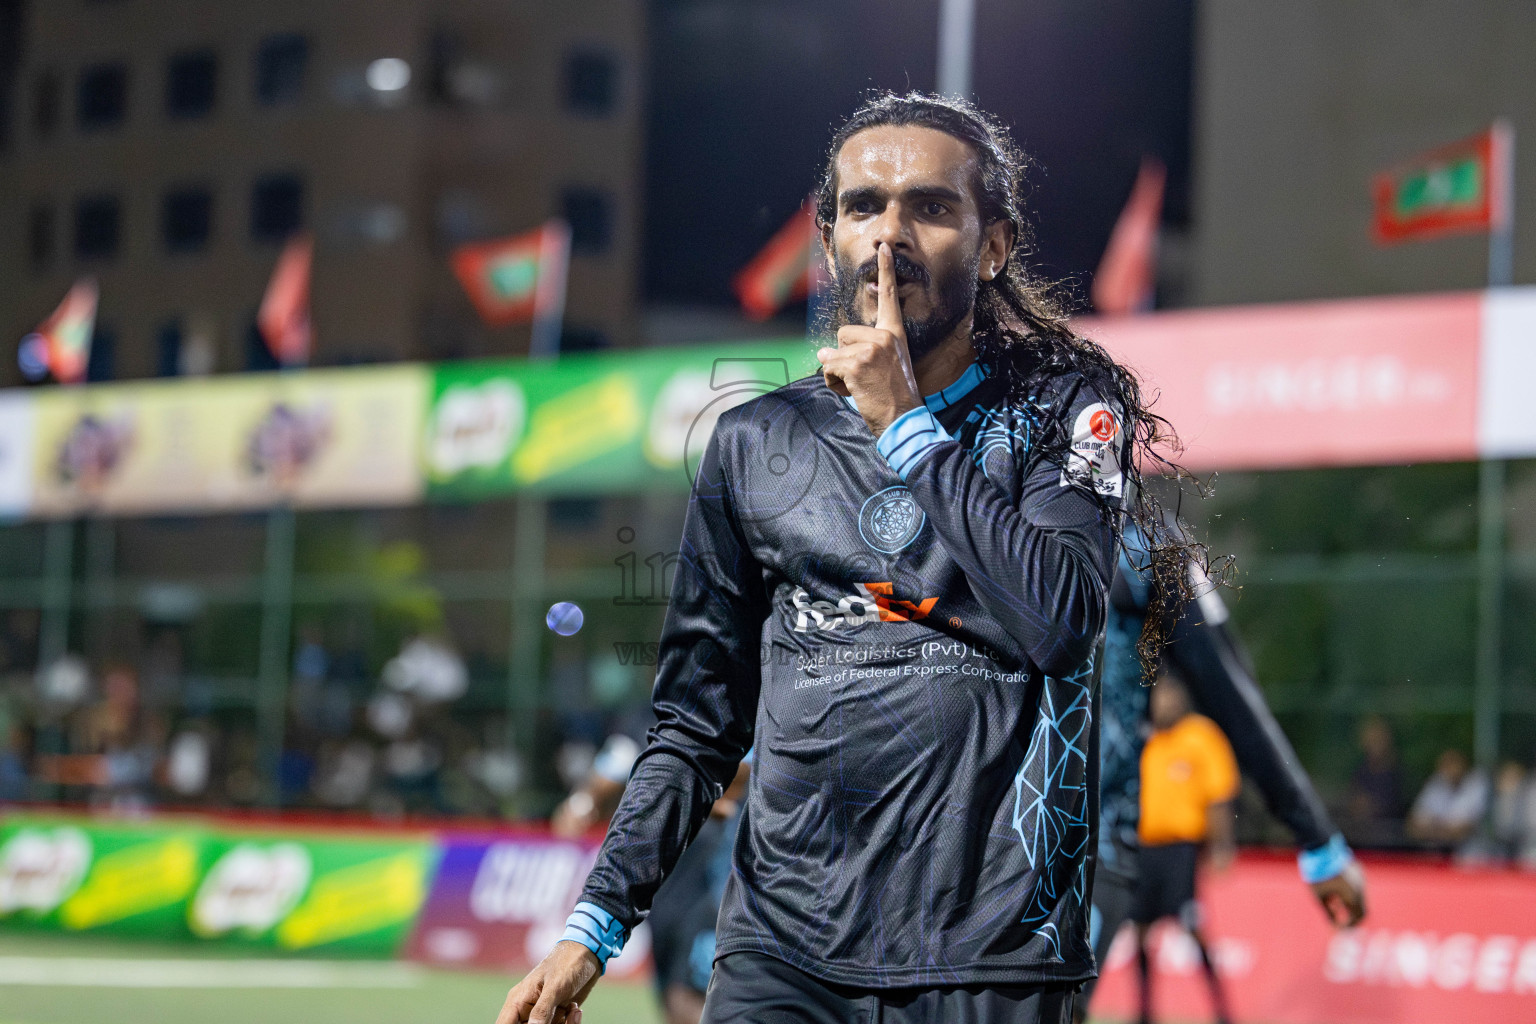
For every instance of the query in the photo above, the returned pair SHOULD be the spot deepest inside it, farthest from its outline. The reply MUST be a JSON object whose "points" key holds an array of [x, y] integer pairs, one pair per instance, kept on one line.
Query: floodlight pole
{"points": [[957, 29], [1487, 698]]}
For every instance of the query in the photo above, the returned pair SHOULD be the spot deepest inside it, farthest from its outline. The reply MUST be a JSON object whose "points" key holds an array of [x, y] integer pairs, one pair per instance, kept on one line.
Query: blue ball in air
{"points": [[564, 618]]}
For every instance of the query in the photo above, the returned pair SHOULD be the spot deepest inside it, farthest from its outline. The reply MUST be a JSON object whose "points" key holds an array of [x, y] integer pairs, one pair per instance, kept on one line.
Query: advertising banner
{"points": [[16, 413], [317, 438], [82, 876], [1354, 382], [502, 903], [587, 424], [298, 892], [294, 890], [1439, 944]]}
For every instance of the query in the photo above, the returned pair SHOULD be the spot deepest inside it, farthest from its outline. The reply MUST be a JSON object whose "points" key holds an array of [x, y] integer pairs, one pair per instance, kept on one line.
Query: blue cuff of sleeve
{"points": [[1324, 862], [908, 439], [598, 930]]}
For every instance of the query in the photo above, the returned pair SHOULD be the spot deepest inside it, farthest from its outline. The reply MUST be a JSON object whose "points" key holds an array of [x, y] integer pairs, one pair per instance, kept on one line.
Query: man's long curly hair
{"points": [[1022, 332]]}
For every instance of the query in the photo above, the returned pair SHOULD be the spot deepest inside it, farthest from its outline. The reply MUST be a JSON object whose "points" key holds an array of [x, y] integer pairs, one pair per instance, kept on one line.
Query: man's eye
{"points": [[862, 206], [935, 209]]}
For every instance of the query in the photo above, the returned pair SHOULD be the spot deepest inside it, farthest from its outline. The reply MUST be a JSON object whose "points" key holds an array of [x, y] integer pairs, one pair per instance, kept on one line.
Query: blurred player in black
{"points": [[684, 909], [1205, 655], [893, 579]]}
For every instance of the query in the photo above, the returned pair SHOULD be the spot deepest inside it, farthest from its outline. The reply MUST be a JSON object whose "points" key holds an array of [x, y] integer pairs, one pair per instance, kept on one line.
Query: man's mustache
{"points": [[906, 270]]}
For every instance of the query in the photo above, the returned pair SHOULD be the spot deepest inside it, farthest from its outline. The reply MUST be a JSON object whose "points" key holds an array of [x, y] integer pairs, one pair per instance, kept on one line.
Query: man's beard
{"points": [[954, 302]]}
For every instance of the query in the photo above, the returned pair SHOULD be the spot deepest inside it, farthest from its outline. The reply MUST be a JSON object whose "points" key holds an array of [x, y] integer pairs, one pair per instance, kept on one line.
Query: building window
{"points": [[589, 211], [280, 64], [40, 235], [191, 84], [101, 364], [96, 227], [277, 207], [583, 339], [102, 99], [258, 357], [186, 219], [591, 81], [45, 104], [168, 349]]}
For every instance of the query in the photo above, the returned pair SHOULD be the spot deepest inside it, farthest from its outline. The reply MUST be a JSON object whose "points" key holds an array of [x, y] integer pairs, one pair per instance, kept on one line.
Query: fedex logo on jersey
{"points": [[1094, 460], [874, 602]]}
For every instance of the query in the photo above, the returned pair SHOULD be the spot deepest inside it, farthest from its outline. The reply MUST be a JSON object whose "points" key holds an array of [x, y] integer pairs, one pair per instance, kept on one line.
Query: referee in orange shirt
{"points": [[1189, 780]]}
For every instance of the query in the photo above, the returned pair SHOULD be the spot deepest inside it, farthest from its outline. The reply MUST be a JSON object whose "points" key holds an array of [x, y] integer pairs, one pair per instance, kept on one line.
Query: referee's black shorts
{"points": [[1166, 886], [753, 988]]}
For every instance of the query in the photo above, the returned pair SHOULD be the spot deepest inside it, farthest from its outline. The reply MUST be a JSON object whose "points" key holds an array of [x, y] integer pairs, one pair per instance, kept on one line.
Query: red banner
{"points": [[1352, 382], [1440, 945]]}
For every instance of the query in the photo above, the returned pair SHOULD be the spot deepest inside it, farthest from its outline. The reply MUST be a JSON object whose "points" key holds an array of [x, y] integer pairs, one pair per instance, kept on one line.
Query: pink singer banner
{"points": [[1439, 945], [1354, 382]]}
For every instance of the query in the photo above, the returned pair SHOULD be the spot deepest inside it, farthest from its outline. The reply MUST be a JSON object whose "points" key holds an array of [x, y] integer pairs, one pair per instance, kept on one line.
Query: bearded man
{"points": [[893, 580]]}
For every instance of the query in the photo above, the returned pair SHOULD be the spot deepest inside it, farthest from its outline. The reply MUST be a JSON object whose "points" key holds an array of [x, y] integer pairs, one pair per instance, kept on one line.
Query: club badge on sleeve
{"points": [[1094, 461]]}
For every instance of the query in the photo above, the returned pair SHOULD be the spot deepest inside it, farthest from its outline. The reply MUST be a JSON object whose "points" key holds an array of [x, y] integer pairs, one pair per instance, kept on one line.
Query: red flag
{"points": [[783, 270], [1456, 188], [518, 279], [61, 345], [284, 316], [1127, 274]]}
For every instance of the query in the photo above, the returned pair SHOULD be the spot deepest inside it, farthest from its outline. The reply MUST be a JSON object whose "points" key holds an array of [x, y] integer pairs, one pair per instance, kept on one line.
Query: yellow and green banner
{"points": [[340, 893], [591, 423]]}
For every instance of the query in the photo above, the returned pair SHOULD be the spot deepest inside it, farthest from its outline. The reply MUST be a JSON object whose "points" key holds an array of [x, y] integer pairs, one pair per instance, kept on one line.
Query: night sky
{"points": [[744, 95]]}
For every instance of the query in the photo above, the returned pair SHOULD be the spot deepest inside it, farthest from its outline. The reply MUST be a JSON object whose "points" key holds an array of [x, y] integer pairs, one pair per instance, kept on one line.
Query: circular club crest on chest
{"points": [[890, 520]]}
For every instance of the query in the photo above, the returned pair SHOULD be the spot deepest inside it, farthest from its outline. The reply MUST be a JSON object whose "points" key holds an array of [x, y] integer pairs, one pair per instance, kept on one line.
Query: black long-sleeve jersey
{"points": [[1205, 654], [907, 633]]}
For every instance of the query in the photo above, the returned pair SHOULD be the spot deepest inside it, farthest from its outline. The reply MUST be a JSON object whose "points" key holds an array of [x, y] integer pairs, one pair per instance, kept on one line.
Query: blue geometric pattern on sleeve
{"points": [[1050, 810], [995, 433]]}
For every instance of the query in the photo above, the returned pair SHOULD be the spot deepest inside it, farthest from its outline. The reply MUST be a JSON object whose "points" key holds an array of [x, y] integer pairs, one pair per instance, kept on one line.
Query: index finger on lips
{"points": [[887, 304]]}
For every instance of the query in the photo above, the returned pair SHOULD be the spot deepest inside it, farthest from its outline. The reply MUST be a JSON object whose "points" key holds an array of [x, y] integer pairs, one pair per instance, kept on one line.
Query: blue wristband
{"points": [[598, 930], [1324, 862]]}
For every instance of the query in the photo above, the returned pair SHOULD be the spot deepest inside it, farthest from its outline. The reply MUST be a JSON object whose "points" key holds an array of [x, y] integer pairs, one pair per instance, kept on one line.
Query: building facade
{"points": [[168, 147], [1297, 105]]}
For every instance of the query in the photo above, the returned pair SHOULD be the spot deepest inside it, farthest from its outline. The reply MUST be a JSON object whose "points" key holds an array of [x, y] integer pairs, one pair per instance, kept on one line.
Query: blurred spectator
{"points": [[189, 761], [242, 781], [13, 765], [1451, 804], [344, 773], [1375, 808], [1514, 814]]}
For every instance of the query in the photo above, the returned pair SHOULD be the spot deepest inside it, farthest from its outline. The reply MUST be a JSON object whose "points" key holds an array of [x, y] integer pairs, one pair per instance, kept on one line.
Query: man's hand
{"points": [[1343, 896], [553, 991], [872, 364]]}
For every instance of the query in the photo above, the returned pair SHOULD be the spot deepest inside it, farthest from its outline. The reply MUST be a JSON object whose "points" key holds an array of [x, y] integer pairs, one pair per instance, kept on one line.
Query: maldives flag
{"points": [[785, 269], [284, 315], [517, 279], [1127, 276], [1463, 187], [64, 339]]}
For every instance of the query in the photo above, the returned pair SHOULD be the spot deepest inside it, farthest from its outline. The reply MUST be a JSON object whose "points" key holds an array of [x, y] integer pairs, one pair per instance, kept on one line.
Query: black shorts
{"points": [[1166, 887], [754, 988]]}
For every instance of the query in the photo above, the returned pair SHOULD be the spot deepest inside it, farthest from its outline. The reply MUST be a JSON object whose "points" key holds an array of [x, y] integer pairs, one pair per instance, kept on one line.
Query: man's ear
{"points": [[826, 249], [996, 244]]}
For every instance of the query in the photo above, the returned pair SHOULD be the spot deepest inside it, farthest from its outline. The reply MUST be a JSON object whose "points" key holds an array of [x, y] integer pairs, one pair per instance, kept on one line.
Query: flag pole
{"points": [[1490, 477], [957, 28], [549, 299]]}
